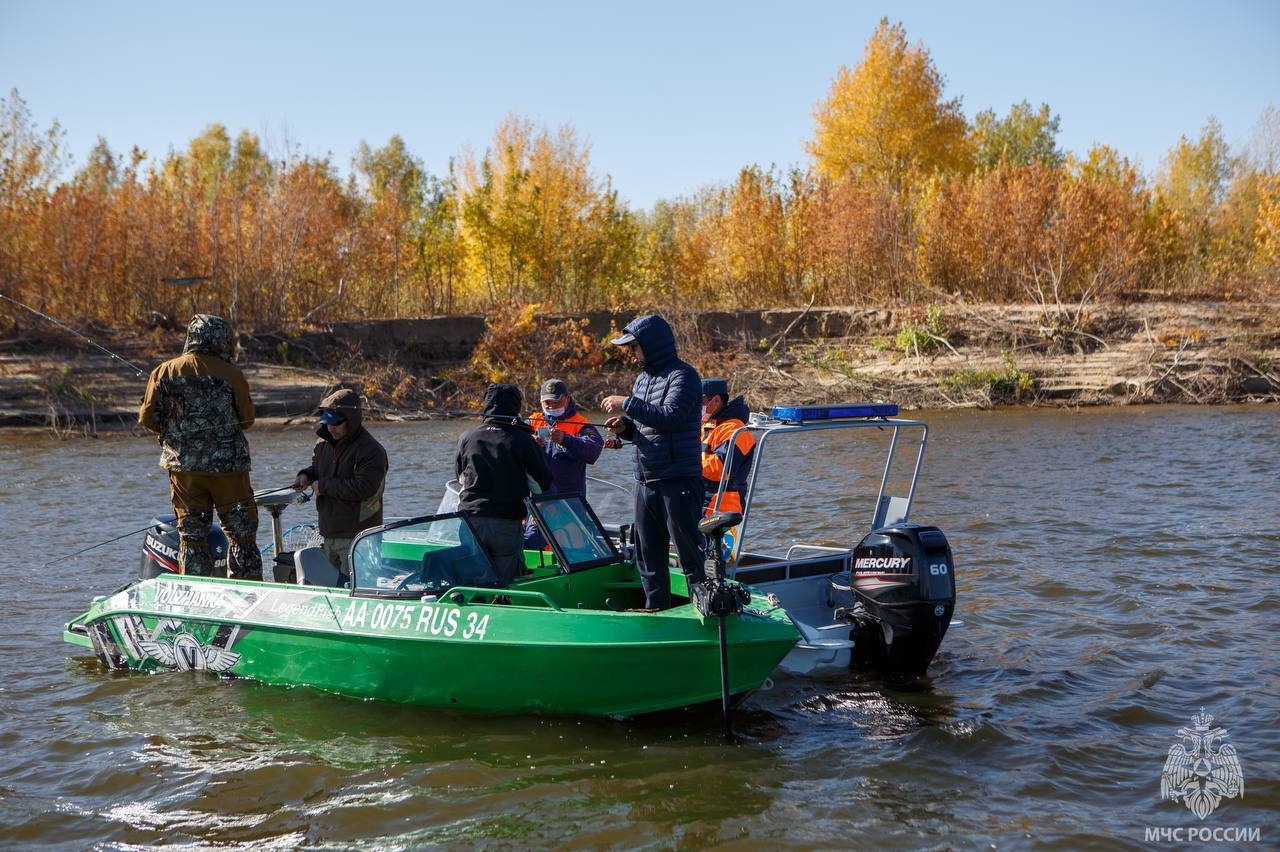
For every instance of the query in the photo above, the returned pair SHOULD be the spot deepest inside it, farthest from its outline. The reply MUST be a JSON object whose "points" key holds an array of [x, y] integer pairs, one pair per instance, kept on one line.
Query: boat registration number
{"points": [[429, 619]]}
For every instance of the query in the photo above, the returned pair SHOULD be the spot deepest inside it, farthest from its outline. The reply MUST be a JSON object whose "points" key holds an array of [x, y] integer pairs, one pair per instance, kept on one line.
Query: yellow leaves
{"points": [[1178, 337], [1267, 225], [521, 341], [886, 119], [534, 221]]}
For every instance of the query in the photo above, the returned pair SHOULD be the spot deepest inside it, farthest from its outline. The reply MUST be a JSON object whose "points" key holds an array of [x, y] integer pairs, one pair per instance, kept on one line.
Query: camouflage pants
{"points": [[196, 496], [339, 552]]}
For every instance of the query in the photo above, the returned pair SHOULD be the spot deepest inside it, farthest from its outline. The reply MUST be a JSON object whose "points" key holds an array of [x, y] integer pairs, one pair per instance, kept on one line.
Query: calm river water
{"points": [[1117, 572]]}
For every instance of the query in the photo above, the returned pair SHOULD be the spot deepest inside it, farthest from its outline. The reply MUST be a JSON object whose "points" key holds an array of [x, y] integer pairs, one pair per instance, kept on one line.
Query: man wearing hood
{"points": [[348, 472], [495, 463], [662, 416], [721, 451], [199, 406]]}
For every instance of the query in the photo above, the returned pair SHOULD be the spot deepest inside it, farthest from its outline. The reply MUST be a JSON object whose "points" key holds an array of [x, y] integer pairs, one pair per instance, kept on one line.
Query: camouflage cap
{"points": [[209, 335]]}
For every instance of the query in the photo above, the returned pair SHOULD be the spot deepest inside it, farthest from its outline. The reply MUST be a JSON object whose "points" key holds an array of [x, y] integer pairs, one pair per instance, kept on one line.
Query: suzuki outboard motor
{"points": [[160, 548], [905, 591]]}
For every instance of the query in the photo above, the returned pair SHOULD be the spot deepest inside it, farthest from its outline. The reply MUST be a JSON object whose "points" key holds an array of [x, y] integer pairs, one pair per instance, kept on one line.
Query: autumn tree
{"points": [[537, 225], [853, 251], [674, 256], [1020, 138], [886, 120], [31, 160], [1191, 184], [393, 185], [749, 233], [1242, 225], [1263, 160], [82, 237]]}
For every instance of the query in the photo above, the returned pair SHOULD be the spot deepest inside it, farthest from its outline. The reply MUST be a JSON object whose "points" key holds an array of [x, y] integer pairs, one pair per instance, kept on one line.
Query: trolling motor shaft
{"points": [[716, 596]]}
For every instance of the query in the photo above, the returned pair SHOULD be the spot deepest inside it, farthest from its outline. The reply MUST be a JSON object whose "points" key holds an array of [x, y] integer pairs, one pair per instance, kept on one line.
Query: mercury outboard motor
{"points": [[160, 548], [905, 591]]}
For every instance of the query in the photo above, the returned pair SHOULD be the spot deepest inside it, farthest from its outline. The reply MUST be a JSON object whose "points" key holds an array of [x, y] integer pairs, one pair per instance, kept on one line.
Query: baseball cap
{"points": [[332, 417], [624, 339], [715, 387], [553, 389]]}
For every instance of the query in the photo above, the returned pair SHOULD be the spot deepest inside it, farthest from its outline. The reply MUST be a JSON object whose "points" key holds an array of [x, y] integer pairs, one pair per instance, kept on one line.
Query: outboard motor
{"points": [[905, 591], [160, 548]]}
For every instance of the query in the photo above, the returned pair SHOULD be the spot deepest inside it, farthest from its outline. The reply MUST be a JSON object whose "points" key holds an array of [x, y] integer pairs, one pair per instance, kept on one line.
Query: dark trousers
{"points": [[667, 511], [501, 538]]}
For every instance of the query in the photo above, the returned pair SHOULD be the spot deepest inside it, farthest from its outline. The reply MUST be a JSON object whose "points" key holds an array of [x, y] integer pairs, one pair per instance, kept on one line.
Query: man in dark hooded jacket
{"points": [[348, 472], [663, 417], [495, 462], [199, 405]]}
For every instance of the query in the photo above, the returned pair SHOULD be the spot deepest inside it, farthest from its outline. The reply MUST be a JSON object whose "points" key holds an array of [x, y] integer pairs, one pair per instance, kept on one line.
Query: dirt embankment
{"points": [[1187, 352]]}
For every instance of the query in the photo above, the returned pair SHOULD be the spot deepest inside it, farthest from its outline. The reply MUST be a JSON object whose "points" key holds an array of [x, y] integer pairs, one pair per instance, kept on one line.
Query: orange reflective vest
{"points": [[715, 434], [571, 425]]}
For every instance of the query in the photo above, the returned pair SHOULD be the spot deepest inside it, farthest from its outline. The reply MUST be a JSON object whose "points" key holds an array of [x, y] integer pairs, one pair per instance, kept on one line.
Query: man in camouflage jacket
{"points": [[199, 405]]}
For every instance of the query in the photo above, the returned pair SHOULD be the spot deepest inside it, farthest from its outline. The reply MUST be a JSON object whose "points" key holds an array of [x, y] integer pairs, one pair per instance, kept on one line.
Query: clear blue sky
{"points": [[669, 95]]}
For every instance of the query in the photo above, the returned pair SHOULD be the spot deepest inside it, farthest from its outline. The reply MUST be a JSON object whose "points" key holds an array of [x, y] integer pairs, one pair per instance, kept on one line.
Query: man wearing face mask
{"points": [[721, 420], [569, 442]]}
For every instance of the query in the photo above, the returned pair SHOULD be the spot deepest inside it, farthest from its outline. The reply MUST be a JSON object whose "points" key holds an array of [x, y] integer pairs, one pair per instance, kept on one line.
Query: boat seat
{"points": [[314, 568], [715, 525]]}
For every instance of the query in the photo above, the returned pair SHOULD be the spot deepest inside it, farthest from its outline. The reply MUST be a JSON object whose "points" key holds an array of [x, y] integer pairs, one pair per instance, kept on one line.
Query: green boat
{"points": [[421, 622]]}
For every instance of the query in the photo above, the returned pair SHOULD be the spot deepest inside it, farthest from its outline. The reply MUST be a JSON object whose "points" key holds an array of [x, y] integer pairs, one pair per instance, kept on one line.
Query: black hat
{"points": [[553, 389], [332, 417], [715, 387]]}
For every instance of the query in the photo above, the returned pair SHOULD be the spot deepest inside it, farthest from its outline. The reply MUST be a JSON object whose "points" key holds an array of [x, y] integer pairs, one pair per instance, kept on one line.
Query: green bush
{"points": [[920, 338], [1004, 382]]}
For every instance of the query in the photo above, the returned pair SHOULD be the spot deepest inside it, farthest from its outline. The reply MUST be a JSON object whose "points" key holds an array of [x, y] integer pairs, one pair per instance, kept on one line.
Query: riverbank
{"points": [[955, 356]]}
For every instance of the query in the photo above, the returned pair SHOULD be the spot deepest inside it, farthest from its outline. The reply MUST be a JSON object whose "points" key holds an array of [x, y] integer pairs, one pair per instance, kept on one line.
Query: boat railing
{"points": [[819, 548], [463, 595], [755, 568]]}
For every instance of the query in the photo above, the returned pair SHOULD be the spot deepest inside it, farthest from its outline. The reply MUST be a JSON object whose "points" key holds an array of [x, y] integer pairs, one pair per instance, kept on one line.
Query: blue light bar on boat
{"points": [[842, 411]]}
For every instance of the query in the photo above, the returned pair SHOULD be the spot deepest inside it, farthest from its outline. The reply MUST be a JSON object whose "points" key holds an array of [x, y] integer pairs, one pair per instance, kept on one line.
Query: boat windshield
{"points": [[419, 556], [573, 531]]}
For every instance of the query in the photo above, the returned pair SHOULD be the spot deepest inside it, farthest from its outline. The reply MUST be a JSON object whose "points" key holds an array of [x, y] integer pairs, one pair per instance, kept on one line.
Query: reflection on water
{"points": [[1117, 571]]}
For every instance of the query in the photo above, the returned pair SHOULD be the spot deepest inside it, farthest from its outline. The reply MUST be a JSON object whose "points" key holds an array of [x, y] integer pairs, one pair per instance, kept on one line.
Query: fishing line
{"points": [[138, 371], [149, 526], [610, 443], [141, 373]]}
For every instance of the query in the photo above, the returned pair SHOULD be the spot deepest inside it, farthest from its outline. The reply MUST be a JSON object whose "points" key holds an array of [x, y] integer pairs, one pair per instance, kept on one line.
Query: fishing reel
{"points": [[718, 597]]}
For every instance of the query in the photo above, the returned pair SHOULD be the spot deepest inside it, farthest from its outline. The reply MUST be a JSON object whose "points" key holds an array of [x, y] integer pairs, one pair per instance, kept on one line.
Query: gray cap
{"points": [[553, 389], [624, 339]]}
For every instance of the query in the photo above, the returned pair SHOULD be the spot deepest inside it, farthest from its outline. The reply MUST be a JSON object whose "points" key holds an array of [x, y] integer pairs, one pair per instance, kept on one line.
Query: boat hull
{"points": [[469, 653]]}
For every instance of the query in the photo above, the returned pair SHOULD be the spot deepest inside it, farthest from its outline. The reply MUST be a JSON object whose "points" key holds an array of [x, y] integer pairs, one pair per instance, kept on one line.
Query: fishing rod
{"points": [[256, 496], [141, 373], [612, 442]]}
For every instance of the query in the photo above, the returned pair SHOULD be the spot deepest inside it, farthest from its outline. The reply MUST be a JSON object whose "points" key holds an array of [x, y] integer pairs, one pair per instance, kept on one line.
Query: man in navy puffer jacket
{"points": [[663, 417]]}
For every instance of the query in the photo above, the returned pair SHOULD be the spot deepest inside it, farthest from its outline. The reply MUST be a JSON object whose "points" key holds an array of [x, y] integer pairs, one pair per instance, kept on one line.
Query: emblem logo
{"points": [[1202, 768], [179, 646]]}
